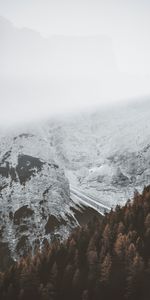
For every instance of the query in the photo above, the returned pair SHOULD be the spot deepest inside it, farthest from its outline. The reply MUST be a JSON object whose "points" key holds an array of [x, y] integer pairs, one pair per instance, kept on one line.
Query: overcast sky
{"points": [[126, 22]]}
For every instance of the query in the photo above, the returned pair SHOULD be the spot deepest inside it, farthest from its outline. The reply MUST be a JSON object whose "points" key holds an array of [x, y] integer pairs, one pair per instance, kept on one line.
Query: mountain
{"points": [[106, 259], [104, 154]]}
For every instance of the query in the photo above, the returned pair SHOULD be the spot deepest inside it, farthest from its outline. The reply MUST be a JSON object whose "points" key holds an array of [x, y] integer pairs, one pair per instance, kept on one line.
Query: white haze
{"points": [[68, 56]]}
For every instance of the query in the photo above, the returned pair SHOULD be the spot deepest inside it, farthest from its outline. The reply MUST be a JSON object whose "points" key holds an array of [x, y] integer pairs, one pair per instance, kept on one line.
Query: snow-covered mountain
{"points": [[105, 154], [35, 202]]}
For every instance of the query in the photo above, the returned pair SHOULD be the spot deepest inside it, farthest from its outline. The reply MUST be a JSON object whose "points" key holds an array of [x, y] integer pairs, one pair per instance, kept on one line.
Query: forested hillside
{"points": [[107, 259]]}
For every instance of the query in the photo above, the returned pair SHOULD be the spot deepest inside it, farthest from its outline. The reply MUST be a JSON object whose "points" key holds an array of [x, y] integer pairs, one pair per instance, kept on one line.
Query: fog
{"points": [[68, 56]]}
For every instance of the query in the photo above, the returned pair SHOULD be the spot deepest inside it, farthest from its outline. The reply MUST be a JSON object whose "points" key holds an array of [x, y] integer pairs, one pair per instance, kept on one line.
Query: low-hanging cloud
{"points": [[40, 76]]}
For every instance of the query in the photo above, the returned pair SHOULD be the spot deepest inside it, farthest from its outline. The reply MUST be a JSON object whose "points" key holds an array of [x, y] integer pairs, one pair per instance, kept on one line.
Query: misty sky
{"points": [[127, 23]]}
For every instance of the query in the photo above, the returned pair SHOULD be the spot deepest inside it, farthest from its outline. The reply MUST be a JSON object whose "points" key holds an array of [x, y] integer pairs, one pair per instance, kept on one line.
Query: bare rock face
{"points": [[22, 213], [54, 223]]}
